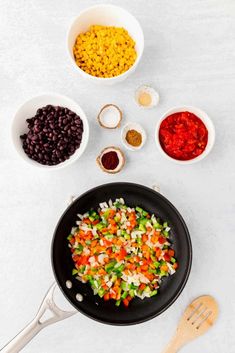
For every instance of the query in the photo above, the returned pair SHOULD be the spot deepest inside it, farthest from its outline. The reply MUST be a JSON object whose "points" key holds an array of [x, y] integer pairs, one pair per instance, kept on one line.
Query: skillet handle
{"points": [[37, 324], [156, 187]]}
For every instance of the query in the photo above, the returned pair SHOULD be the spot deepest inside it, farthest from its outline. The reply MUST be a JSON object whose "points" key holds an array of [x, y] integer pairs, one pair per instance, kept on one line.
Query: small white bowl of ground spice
{"points": [[110, 116], [146, 97], [133, 136]]}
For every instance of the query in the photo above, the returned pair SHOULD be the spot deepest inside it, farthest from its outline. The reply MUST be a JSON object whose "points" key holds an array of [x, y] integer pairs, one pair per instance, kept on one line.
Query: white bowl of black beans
{"points": [[50, 131]]}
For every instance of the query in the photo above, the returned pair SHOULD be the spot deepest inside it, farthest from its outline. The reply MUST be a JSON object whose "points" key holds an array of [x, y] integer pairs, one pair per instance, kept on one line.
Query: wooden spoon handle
{"points": [[173, 346]]}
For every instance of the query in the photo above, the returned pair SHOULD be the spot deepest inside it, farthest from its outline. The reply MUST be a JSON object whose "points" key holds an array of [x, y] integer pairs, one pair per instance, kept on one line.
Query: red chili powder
{"points": [[183, 136], [110, 160]]}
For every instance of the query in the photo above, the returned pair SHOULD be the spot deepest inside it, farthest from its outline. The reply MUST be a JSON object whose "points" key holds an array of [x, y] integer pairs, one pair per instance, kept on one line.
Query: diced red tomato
{"points": [[83, 260], [144, 238], [142, 286], [106, 296], [162, 240], [122, 253], [86, 220], [183, 135], [167, 257], [158, 252]]}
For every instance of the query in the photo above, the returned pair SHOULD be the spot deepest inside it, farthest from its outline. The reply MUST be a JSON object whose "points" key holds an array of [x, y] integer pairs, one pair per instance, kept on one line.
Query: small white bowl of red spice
{"points": [[111, 160], [185, 135]]}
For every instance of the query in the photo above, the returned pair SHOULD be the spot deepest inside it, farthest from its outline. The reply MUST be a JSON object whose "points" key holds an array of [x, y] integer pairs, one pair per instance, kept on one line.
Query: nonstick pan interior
{"points": [[139, 310]]}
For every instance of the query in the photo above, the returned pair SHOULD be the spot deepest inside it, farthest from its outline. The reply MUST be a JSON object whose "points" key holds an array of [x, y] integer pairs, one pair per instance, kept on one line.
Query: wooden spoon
{"points": [[198, 317]]}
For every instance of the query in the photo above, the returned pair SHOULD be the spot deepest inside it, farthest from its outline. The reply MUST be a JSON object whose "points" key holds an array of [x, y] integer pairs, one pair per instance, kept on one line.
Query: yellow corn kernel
{"points": [[104, 51]]}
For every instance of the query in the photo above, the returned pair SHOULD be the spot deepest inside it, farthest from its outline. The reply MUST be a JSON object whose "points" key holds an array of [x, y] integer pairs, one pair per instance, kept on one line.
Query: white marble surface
{"points": [[190, 59]]}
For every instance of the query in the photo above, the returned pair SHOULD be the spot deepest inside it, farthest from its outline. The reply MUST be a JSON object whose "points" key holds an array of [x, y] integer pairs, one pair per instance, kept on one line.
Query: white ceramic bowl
{"points": [[133, 126], [107, 15], [206, 120], [28, 110]]}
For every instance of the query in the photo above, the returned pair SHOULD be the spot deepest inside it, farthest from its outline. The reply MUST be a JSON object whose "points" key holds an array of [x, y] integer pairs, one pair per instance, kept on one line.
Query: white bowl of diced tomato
{"points": [[185, 135]]}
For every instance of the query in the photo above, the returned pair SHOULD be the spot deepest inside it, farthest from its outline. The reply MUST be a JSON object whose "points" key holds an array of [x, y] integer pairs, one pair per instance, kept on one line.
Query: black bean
{"points": [[50, 116], [40, 111]]}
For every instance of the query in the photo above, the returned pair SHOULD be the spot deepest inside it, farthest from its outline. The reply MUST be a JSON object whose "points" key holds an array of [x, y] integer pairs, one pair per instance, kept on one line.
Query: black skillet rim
{"points": [[190, 255]]}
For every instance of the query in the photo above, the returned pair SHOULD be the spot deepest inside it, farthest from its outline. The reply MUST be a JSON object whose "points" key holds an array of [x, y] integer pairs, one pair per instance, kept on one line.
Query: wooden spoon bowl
{"points": [[198, 317]]}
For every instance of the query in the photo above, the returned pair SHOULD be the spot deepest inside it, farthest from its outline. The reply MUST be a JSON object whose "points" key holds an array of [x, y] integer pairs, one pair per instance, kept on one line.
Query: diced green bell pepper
{"points": [[154, 292], [142, 228], [109, 236], [163, 273], [101, 292], [165, 233], [124, 286], [106, 214], [139, 209], [118, 302], [156, 264], [119, 268], [147, 289], [132, 286], [99, 226], [157, 226], [117, 204], [70, 236], [139, 241], [110, 266], [79, 249], [143, 221], [132, 293], [82, 268], [124, 295], [113, 278], [151, 270]]}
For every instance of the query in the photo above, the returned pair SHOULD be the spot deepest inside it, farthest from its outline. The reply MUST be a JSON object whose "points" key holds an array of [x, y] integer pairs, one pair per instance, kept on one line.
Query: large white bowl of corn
{"points": [[105, 43]]}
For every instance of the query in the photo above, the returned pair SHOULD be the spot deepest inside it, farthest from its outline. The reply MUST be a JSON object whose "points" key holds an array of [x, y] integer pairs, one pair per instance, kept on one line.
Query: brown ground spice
{"points": [[134, 138]]}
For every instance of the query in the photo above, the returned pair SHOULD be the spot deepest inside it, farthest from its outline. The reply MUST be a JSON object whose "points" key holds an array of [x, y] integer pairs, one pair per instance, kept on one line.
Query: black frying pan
{"points": [[139, 310]]}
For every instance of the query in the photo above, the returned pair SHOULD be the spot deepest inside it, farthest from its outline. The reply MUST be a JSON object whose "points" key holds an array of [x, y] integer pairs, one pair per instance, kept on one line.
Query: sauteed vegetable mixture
{"points": [[122, 252]]}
